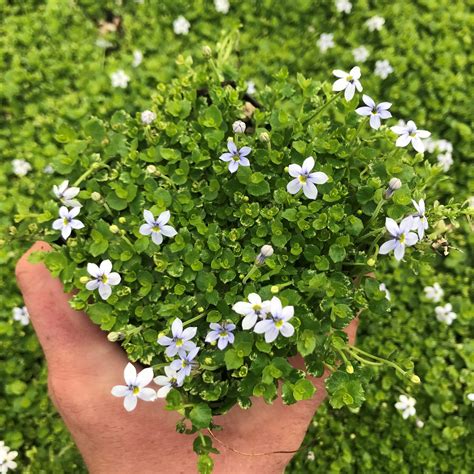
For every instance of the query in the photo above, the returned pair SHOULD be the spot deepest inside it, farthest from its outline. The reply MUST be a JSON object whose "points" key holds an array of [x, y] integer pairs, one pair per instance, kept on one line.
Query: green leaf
{"points": [[233, 360], [337, 253], [303, 390], [201, 416]]}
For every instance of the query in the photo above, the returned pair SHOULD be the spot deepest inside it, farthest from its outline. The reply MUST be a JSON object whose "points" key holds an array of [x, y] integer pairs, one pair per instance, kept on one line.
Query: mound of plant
{"points": [[215, 236]]}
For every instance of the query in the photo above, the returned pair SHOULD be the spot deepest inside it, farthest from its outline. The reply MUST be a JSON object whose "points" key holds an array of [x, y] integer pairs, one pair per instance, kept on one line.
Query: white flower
{"points": [[251, 89], [120, 79], [375, 23], [402, 237], [420, 222], [48, 169], [444, 145], [181, 26], [343, 6], [103, 43], [406, 405], [238, 126], [21, 167], [7, 458], [325, 42], [419, 423], [374, 111], [445, 160], [222, 6], [21, 315], [305, 179], [67, 194], [445, 314], [254, 309], [135, 387], [137, 58], [470, 397], [147, 117], [103, 278], [410, 134], [172, 379], [66, 221], [347, 82], [157, 227], [277, 323], [383, 288], [434, 293], [181, 342], [383, 69], [310, 456], [222, 333], [360, 54]]}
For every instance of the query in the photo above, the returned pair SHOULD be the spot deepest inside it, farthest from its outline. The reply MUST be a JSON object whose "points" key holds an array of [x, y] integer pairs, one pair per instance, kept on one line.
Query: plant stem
{"points": [[95, 166], [323, 107], [376, 212], [250, 273], [353, 349], [196, 318]]}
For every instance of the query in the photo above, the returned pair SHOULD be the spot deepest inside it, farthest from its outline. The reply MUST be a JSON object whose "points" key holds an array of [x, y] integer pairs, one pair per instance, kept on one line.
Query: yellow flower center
{"points": [[302, 178], [65, 221], [349, 78], [136, 390], [223, 334], [236, 157], [401, 239], [256, 307], [104, 279], [156, 228], [279, 324], [179, 342]]}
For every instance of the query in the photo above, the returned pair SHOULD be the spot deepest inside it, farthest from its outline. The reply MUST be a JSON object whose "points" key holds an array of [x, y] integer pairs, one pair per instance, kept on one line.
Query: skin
{"points": [[83, 366]]}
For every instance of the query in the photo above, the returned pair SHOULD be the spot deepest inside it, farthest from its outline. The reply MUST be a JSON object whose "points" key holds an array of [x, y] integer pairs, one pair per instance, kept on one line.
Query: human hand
{"points": [[83, 366]]}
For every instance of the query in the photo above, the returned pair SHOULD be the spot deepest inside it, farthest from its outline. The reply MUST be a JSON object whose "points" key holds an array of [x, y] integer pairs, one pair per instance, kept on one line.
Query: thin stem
{"points": [[250, 273], [376, 212], [323, 107], [196, 318], [364, 361], [379, 359], [94, 167]]}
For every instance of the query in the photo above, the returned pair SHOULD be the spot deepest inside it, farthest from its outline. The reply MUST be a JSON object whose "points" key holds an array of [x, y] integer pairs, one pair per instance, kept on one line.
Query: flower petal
{"points": [[375, 122], [264, 326], [319, 177], [244, 151], [145, 229], [130, 402], [149, 217], [418, 145], [130, 374], [294, 186], [276, 307], [287, 330], [287, 312], [399, 251], [271, 334], [168, 231], [226, 157], [147, 394], [177, 327], [92, 285], [294, 170], [163, 218], [364, 111], [232, 147], [106, 267], [339, 85], [339, 73], [163, 391], [349, 92], [249, 321], [114, 279], [368, 101], [387, 246], [242, 307], [144, 377], [157, 238], [233, 166], [403, 140], [308, 165], [120, 391], [310, 190]]}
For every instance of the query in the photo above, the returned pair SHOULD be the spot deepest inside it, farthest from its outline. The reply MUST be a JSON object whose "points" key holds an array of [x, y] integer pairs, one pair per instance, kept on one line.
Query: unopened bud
{"points": [[238, 126], [274, 289], [115, 336], [206, 51], [415, 379], [264, 137], [265, 252], [393, 185], [371, 262], [151, 169], [114, 229], [208, 360], [95, 196], [84, 279], [349, 369], [122, 220]]}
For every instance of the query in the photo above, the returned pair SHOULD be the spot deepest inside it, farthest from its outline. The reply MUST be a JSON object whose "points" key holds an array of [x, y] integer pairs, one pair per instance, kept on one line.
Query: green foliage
{"points": [[55, 81]]}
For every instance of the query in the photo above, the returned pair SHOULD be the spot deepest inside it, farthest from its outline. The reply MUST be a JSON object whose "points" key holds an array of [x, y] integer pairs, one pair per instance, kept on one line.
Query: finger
{"points": [[69, 339]]}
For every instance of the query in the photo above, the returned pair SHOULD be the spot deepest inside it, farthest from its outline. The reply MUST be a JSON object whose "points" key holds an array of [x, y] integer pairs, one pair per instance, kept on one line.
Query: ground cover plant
{"points": [[50, 55]]}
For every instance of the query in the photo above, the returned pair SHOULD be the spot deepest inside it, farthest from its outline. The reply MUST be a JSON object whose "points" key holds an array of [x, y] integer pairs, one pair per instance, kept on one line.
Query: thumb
{"points": [[70, 341]]}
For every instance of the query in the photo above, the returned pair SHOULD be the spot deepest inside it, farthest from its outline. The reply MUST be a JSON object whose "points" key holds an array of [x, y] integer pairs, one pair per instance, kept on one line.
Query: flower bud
{"points": [[274, 289], [147, 117], [371, 262], [265, 252], [84, 279], [95, 196], [115, 336], [206, 51], [349, 368], [264, 137], [393, 185], [151, 169], [114, 229], [122, 220], [238, 126], [415, 379], [208, 360]]}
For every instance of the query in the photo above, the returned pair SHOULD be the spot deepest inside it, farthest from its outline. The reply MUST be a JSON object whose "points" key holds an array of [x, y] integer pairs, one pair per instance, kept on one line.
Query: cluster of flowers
{"points": [[444, 314], [444, 148], [264, 317], [7, 458], [21, 315]]}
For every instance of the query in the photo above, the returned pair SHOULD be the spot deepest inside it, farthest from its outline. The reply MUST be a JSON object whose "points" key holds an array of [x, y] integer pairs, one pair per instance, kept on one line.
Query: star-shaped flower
{"points": [[374, 111], [172, 379], [66, 221], [157, 228], [406, 405], [181, 342], [21, 315], [135, 387], [347, 82], [236, 157], [185, 363], [253, 310], [305, 179], [420, 222], [434, 293], [410, 134], [222, 333], [277, 323], [445, 314], [402, 237], [67, 194], [103, 278]]}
